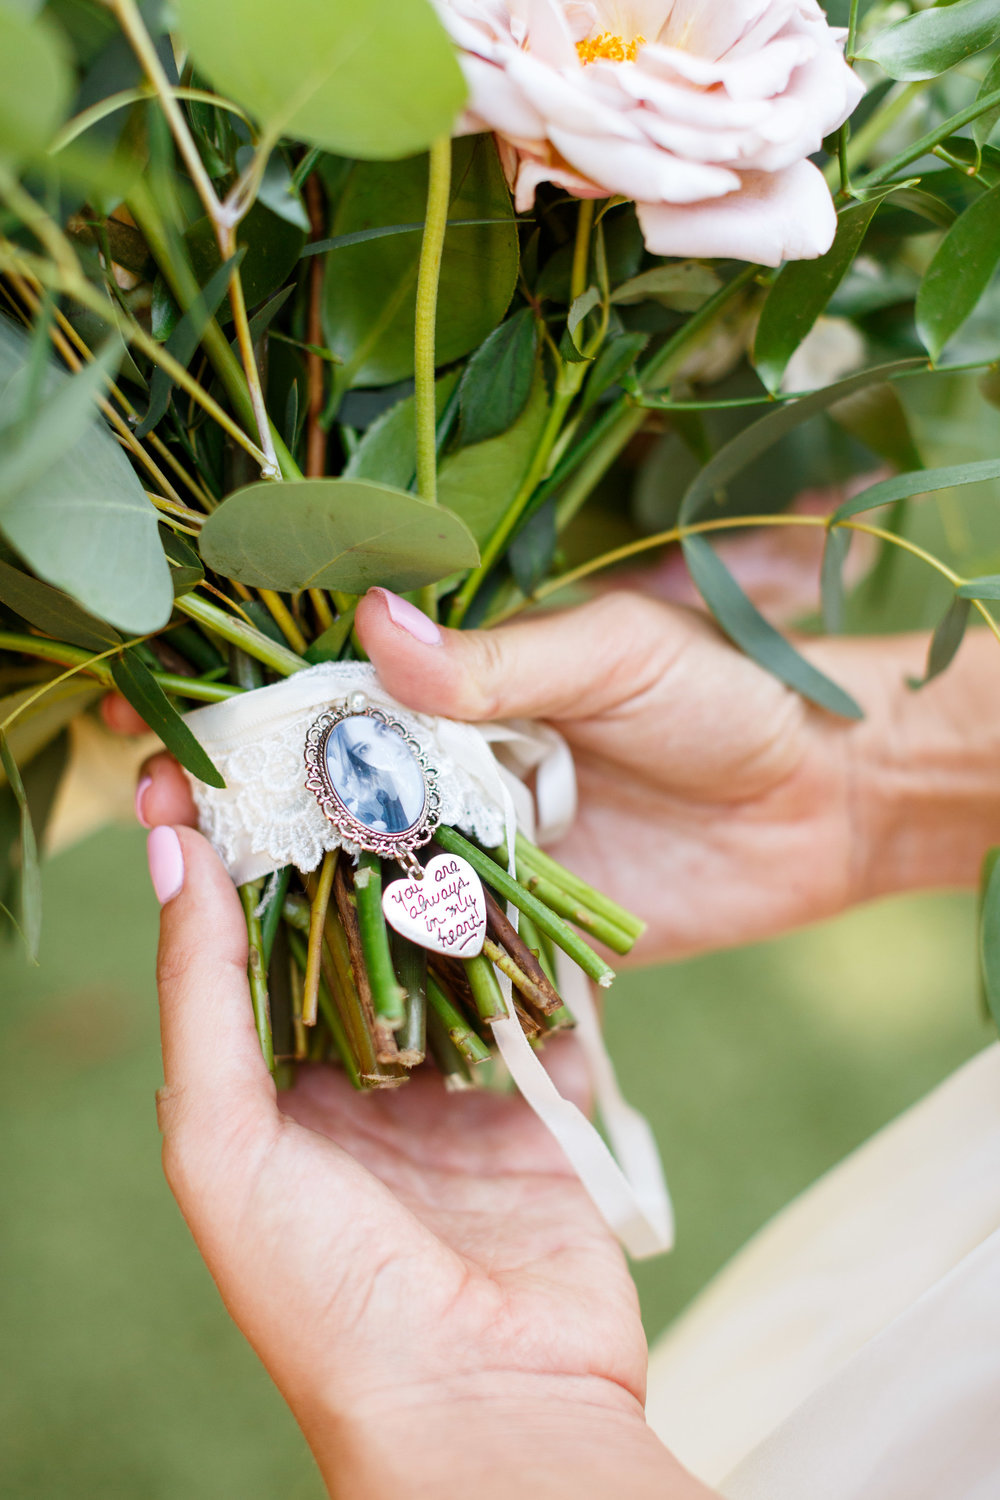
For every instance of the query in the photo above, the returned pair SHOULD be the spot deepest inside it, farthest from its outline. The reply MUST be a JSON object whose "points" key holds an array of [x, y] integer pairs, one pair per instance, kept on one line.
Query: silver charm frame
{"points": [[398, 846]]}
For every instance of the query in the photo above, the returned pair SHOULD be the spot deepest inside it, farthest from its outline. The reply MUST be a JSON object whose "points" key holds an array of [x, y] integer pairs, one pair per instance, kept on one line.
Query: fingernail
{"points": [[166, 863], [409, 618], [140, 792]]}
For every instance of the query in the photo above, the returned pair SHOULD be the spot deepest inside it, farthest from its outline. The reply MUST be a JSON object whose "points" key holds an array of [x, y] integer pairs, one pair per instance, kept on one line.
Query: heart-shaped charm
{"points": [[445, 912]]}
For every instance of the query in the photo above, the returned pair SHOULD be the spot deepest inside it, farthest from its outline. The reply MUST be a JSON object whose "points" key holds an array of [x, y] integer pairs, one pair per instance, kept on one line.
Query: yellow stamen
{"points": [[612, 48]]}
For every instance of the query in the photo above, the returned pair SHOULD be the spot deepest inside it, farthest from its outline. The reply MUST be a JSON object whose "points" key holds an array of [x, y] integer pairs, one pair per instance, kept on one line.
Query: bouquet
{"points": [[471, 301]]}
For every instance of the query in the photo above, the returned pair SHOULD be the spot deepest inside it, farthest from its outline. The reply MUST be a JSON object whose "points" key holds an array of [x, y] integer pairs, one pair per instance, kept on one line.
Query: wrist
{"points": [[923, 768], [497, 1436]]}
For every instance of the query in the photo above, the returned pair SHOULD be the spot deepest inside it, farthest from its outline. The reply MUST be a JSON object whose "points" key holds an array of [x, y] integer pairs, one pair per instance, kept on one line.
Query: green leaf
{"points": [[185, 338], [683, 285], [272, 248], [135, 681], [52, 611], [388, 451], [831, 578], [59, 415], [39, 719], [989, 931], [479, 483], [985, 124], [962, 267], [802, 290], [531, 552], [335, 534], [569, 345], [186, 571], [920, 482], [747, 628], [277, 190], [616, 358], [86, 525], [370, 289], [498, 378], [378, 79], [31, 875], [946, 640], [877, 417], [934, 40], [760, 436], [987, 587], [36, 84]]}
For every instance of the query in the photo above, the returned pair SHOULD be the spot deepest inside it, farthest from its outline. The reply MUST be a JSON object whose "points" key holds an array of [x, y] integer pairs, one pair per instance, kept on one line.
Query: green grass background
{"points": [[122, 1375]]}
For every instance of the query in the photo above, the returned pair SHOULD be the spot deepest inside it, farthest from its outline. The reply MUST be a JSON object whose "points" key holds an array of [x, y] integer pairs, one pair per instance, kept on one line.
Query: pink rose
{"points": [[702, 111]]}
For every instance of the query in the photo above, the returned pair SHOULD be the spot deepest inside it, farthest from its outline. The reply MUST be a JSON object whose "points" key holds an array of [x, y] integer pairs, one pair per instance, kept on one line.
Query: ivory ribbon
{"points": [[631, 1196]]}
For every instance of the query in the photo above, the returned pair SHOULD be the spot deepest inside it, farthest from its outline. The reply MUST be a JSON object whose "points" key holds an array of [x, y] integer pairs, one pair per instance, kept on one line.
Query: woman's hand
{"points": [[421, 1273], [715, 802]]}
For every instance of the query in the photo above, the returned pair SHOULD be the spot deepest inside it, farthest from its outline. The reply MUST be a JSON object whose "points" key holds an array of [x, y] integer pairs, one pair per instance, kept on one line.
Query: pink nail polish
{"points": [[409, 618], [140, 792], [166, 863]]}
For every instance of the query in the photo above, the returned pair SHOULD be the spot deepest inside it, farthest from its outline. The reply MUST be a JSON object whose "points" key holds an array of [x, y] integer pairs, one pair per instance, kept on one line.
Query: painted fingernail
{"points": [[409, 618], [166, 863], [140, 792]]}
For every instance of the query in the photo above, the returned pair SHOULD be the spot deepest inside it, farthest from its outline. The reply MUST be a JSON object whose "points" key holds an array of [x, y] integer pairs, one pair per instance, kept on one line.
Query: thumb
{"points": [[218, 1098], [572, 664]]}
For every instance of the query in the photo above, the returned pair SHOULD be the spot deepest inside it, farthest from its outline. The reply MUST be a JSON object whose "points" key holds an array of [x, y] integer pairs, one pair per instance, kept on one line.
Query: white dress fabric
{"points": [[852, 1350]]}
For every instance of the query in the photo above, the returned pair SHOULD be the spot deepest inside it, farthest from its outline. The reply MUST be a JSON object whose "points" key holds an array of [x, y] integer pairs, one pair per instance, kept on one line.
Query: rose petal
{"points": [[640, 170], [773, 217]]}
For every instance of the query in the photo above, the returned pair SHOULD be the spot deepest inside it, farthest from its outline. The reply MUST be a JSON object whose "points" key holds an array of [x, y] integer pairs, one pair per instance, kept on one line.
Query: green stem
{"points": [[453, 1067], [330, 1015], [460, 1032], [547, 921], [410, 964], [388, 996], [272, 913], [925, 145], [428, 278], [485, 989], [314, 949], [238, 633], [581, 248], [72, 656], [543, 864], [257, 972]]}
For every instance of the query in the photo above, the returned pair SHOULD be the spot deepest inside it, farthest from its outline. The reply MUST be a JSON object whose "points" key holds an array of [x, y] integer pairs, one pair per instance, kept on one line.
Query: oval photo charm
{"points": [[372, 780]]}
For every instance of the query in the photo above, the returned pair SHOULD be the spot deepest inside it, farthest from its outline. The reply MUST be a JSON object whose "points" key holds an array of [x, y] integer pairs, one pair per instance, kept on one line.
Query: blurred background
{"points": [[759, 1069]]}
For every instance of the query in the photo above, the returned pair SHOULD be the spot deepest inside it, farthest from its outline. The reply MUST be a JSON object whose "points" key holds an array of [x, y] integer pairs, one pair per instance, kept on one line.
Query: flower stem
{"points": [[926, 143], [459, 1030], [540, 863], [428, 279], [317, 925], [581, 248], [410, 964], [388, 996], [546, 920], [257, 972], [249, 639], [485, 989]]}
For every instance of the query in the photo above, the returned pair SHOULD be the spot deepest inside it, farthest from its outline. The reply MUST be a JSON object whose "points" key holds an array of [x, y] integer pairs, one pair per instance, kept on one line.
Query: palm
{"points": [[454, 1221]]}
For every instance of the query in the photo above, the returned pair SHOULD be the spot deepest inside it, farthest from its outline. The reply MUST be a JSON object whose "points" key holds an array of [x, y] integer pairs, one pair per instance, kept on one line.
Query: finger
{"points": [[120, 717], [570, 665], [218, 1094], [163, 794]]}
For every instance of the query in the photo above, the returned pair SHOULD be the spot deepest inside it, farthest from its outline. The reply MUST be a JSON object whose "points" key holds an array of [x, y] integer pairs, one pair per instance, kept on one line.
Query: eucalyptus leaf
{"points": [[378, 79], [479, 483], [801, 292], [987, 587], [919, 482], [60, 413], [36, 84], [345, 534], [370, 289], [877, 417], [935, 39], [86, 525], [946, 640], [135, 681], [756, 439], [31, 875], [747, 628], [831, 578], [498, 378], [52, 611], [960, 272]]}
